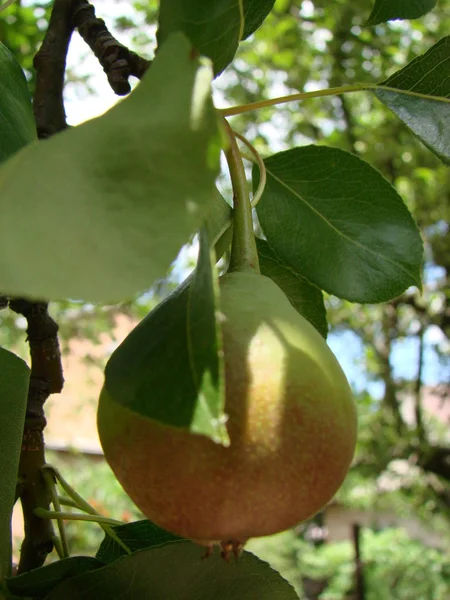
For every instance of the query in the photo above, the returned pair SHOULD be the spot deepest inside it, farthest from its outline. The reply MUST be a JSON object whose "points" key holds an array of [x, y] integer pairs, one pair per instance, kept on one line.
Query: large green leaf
{"points": [[213, 27], [335, 220], [307, 299], [428, 117], [169, 367], [176, 572], [14, 377], [135, 536], [39, 582], [17, 125], [99, 212], [389, 10]]}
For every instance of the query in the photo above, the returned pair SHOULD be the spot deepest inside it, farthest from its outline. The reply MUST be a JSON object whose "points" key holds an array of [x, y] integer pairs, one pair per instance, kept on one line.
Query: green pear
{"points": [[291, 421]]}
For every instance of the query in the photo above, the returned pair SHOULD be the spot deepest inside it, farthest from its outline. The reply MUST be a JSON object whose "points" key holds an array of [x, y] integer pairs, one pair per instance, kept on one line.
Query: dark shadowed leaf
{"points": [[255, 11], [389, 10], [306, 298], [136, 536], [335, 220], [176, 572], [214, 28], [175, 353], [428, 117], [127, 189], [40, 582], [17, 125], [14, 376]]}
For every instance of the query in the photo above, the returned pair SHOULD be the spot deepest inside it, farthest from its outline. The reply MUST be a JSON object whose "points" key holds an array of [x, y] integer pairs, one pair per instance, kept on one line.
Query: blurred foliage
{"points": [[395, 566], [22, 30]]}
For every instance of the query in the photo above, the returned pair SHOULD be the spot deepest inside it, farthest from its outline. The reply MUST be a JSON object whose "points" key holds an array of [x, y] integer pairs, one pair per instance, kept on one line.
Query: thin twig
{"points": [[70, 516], [85, 506], [118, 62], [418, 387]]}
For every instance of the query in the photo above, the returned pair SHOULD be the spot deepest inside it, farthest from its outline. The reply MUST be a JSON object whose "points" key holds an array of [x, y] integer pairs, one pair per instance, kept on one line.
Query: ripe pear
{"points": [[291, 424]]}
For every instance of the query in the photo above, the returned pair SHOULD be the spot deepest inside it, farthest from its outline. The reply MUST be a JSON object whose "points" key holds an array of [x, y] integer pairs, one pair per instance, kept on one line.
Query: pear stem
{"points": [[244, 255]]}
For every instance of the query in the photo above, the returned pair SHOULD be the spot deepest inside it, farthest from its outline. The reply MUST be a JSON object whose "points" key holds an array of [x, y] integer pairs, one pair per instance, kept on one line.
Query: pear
{"points": [[291, 424]]}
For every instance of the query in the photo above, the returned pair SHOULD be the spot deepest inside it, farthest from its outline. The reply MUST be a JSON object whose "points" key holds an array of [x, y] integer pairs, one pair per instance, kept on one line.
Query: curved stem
{"points": [[343, 89], [59, 548], [67, 502], [244, 255], [86, 507], [51, 488], [336, 91], [256, 158], [42, 513], [77, 499]]}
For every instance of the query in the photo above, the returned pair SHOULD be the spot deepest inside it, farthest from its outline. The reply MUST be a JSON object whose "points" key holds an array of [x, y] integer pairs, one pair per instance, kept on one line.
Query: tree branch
{"points": [[46, 378], [435, 459], [46, 370], [418, 388], [118, 62], [50, 65], [384, 349]]}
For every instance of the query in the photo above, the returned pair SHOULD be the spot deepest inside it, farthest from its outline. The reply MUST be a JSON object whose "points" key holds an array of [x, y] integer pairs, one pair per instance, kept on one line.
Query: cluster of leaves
{"points": [[290, 52]]}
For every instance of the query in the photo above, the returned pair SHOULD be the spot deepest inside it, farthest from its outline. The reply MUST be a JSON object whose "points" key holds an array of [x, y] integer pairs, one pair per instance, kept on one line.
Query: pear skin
{"points": [[291, 423]]}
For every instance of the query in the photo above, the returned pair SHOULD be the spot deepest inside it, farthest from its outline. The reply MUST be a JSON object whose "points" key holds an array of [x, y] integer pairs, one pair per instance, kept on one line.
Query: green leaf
{"points": [[14, 377], [307, 299], [427, 117], [205, 347], [176, 572], [173, 353], [335, 220], [136, 536], [105, 207], [213, 27], [255, 11], [17, 123], [390, 10], [39, 582]]}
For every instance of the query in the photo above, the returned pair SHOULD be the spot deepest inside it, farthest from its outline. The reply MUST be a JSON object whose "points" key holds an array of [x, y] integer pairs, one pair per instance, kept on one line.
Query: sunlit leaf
{"points": [[205, 347], [98, 212], [166, 356]]}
